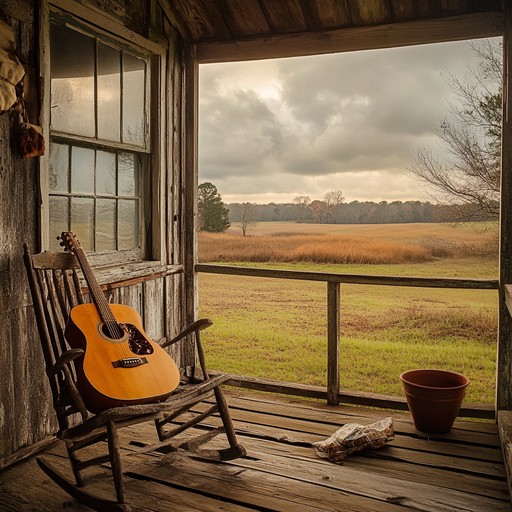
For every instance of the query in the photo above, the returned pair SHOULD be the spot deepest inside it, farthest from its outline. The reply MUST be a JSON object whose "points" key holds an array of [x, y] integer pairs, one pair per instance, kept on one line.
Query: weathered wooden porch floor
{"points": [[461, 471]]}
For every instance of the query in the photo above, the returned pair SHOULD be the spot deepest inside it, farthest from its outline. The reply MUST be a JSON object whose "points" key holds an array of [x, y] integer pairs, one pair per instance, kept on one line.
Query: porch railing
{"points": [[333, 393]]}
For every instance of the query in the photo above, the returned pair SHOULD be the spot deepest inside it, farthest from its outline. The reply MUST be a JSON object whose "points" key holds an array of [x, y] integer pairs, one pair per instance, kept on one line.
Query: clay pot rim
{"points": [[435, 370]]}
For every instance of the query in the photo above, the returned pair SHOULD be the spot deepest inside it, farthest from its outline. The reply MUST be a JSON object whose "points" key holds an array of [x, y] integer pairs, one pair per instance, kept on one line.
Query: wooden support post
{"points": [[333, 343], [190, 185], [504, 363]]}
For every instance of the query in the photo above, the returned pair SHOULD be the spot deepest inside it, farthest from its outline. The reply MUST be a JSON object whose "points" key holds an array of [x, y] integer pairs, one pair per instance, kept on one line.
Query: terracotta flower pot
{"points": [[434, 398]]}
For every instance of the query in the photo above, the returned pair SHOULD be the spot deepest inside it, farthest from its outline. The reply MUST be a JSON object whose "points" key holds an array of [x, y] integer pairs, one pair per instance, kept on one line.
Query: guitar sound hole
{"points": [[109, 331]]}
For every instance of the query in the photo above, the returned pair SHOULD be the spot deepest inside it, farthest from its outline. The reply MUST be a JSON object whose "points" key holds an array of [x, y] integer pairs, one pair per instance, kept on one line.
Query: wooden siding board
{"points": [[174, 319], [22, 420], [7, 403], [155, 308]]}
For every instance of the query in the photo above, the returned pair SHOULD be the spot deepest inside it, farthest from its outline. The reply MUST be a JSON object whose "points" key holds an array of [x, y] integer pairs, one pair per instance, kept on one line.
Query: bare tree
{"points": [[468, 175], [243, 215], [333, 199], [302, 203]]}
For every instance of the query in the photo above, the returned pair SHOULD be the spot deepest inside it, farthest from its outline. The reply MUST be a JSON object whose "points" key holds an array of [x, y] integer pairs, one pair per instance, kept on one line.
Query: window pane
{"points": [[82, 170], [105, 225], [58, 169], [72, 81], [133, 100], [127, 175], [105, 172], [82, 221], [59, 215], [109, 93], [128, 224]]}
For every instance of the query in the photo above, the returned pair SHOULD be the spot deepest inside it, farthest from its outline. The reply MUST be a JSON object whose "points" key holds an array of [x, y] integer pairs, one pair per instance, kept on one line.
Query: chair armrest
{"points": [[64, 359], [198, 325]]}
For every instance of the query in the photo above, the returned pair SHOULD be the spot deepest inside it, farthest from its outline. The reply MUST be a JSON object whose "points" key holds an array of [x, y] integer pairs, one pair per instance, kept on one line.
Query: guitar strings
{"points": [[112, 326]]}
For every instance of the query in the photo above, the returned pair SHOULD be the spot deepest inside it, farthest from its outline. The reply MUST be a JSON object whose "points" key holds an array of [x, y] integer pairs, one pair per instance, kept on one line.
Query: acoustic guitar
{"points": [[121, 365]]}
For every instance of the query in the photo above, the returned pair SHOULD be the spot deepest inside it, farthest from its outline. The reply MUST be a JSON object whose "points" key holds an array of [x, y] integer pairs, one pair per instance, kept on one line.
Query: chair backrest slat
{"points": [[55, 289]]}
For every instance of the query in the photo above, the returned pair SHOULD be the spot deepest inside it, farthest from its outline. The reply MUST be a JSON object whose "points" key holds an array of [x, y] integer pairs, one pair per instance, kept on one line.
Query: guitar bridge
{"points": [[129, 362]]}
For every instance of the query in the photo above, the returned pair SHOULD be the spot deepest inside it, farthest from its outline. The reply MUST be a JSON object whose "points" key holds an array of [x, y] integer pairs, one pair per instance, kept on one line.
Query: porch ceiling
{"points": [[232, 23]]}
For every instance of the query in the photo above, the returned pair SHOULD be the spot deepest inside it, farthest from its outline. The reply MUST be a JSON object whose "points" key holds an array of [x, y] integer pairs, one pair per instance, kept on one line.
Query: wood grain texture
{"points": [[366, 37], [504, 358], [421, 282], [462, 470]]}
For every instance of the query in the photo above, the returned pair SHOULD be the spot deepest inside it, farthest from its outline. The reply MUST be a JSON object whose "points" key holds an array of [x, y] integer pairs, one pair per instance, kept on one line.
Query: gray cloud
{"points": [[297, 125]]}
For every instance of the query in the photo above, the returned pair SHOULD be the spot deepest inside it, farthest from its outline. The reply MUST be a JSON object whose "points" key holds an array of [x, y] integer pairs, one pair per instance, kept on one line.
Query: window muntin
{"points": [[96, 194], [100, 137]]}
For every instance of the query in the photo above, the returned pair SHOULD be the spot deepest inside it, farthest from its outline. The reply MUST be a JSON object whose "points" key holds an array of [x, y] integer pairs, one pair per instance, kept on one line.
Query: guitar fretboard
{"points": [[98, 296]]}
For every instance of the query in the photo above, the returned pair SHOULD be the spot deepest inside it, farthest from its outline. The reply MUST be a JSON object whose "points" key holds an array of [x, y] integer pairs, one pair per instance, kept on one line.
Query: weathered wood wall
{"points": [[26, 414]]}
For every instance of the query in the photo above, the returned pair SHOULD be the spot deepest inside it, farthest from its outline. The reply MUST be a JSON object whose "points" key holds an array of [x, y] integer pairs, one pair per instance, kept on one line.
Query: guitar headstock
{"points": [[69, 241]]}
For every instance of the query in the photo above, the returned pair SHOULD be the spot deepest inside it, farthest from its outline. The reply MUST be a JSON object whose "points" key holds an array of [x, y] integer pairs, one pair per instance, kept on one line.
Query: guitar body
{"points": [[127, 370]]}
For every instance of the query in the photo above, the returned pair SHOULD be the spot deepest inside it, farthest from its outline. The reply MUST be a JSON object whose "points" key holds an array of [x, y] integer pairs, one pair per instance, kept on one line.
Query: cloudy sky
{"points": [[272, 130]]}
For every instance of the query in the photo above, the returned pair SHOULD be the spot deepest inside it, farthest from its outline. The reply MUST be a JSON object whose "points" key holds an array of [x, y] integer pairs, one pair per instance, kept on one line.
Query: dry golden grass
{"points": [[466, 233], [308, 248]]}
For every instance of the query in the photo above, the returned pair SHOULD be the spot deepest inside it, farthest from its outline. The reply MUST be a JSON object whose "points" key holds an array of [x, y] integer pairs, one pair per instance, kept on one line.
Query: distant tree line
{"points": [[216, 216], [355, 212]]}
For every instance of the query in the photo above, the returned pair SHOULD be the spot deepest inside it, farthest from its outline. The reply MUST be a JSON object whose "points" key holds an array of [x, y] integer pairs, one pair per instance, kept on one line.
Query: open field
{"points": [[277, 329], [471, 233]]}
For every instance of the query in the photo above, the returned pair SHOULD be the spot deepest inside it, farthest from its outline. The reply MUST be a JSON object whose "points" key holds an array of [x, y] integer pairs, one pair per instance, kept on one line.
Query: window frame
{"points": [[152, 156]]}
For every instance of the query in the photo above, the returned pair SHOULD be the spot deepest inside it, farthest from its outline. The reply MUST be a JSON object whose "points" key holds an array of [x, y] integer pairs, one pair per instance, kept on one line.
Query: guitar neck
{"points": [[97, 294]]}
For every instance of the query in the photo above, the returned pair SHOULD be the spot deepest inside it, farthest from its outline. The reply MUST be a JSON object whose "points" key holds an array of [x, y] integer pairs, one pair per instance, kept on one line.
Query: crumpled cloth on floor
{"points": [[353, 437]]}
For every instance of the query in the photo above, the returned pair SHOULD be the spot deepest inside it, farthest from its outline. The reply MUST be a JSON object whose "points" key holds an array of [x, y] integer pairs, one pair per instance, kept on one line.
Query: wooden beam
{"points": [[26, 451], [483, 411], [333, 343], [420, 282], [454, 28], [190, 194], [108, 24], [504, 356], [505, 430]]}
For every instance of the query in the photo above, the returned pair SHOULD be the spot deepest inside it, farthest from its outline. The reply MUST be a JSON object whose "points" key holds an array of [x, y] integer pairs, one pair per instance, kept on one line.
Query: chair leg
{"points": [[73, 459], [236, 450], [115, 460]]}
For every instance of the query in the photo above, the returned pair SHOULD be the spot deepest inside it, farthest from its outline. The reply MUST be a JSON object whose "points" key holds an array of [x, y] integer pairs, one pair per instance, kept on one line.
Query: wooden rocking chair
{"points": [[55, 288]]}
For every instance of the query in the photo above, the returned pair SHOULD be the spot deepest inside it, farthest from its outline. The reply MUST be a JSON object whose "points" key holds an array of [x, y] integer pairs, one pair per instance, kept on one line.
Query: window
{"points": [[99, 147]]}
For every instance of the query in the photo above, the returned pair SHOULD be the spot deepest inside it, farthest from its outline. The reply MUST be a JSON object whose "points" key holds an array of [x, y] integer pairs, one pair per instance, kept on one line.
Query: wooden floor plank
{"points": [[415, 495], [462, 471], [262, 489], [426, 453], [367, 462], [477, 432]]}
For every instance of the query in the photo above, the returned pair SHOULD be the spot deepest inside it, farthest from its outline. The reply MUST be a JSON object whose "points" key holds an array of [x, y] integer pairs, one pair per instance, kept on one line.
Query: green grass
{"points": [[276, 328]]}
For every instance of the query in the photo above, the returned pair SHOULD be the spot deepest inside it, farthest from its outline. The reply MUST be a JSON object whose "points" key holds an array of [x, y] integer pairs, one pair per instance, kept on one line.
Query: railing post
{"points": [[333, 342]]}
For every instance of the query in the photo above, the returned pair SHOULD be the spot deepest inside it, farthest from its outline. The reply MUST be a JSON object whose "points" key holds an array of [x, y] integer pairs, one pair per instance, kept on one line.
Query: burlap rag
{"points": [[353, 437]]}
